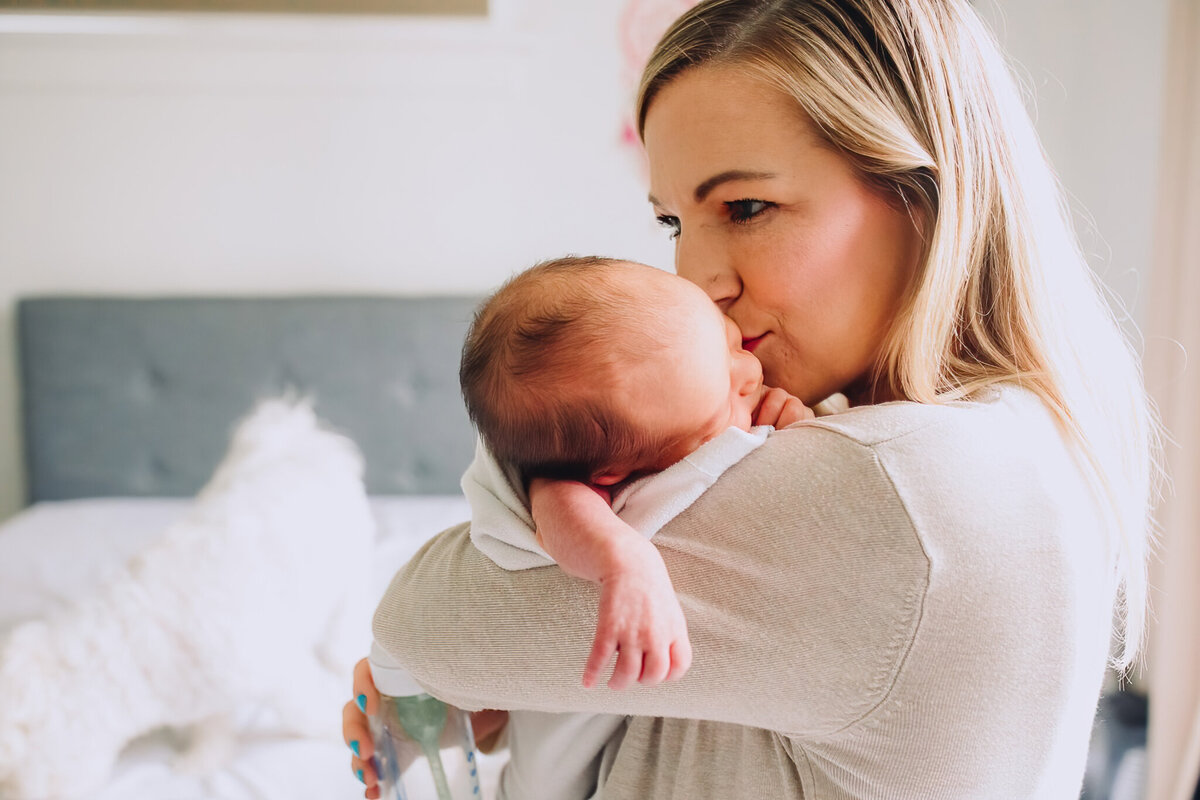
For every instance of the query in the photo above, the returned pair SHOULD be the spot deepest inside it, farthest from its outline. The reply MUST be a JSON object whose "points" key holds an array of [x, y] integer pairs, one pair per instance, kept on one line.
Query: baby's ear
{"points": [[609, 478]]}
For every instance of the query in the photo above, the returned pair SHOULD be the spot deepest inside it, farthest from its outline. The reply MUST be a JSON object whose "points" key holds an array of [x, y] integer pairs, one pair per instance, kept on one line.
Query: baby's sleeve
{"points": [[648, 505], [502, 527]]}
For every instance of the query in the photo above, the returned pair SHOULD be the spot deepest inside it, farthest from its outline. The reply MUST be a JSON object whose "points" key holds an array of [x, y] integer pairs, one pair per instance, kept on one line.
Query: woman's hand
{"points": [[780, 409], [356, 732], [486, 725]]}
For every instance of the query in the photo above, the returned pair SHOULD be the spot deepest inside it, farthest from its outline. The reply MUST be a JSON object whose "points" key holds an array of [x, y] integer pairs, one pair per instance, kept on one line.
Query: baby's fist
{"points": [[642, 623], [780, 409]]}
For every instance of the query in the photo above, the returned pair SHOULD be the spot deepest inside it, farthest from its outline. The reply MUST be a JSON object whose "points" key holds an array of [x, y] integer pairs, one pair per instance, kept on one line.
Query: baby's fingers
{"points": [[628, 668], [793, 411], [603, 648], [681, 659], [655, 666], [769, 407]]}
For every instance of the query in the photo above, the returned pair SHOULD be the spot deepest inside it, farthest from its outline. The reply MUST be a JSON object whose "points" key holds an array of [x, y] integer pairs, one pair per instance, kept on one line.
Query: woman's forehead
{"points": [[725, 95], [713, 122]]}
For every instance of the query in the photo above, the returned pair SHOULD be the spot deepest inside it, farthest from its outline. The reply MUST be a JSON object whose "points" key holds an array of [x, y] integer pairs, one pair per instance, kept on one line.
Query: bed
{"points": [[127, 406]]}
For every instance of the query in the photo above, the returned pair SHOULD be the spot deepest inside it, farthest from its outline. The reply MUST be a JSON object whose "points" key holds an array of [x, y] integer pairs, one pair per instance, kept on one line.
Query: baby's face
{"points": [[698, 380]]}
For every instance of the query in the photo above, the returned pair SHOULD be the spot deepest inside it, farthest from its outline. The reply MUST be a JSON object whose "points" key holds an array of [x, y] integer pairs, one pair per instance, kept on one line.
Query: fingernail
{"points": [[361, 779], [354, 747], [362, 702]]}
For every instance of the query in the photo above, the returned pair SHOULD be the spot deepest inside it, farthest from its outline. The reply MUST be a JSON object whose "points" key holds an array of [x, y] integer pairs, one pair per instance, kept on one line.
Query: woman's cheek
{"points": [[783, 365]]}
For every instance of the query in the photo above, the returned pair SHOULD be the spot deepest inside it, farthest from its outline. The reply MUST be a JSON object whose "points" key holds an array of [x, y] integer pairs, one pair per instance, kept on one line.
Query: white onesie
{"points": [[563, 750]]}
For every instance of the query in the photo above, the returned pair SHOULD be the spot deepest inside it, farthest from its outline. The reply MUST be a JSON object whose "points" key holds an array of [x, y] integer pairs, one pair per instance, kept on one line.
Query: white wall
{"points": [[1096, 69], [222, 154], [231, 154]]}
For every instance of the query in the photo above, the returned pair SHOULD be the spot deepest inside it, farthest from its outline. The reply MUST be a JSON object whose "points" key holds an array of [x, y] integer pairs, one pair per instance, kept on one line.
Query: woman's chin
{"points": [[807, 388]]}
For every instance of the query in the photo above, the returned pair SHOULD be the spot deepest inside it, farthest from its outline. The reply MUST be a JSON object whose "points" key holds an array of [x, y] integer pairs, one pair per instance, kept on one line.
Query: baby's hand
{"points": [[642, 622], [780, 409]]}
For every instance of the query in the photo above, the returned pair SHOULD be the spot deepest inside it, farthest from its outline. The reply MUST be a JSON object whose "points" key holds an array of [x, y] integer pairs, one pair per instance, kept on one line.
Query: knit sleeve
{"points": [[799, 572]]}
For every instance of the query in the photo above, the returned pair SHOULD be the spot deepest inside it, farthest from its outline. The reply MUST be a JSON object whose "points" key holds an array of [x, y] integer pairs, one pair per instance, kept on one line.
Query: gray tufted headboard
{"points": [[138, 397]]}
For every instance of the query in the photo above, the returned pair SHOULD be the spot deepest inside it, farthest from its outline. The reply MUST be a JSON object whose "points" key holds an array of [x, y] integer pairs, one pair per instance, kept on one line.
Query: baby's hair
{"points": [[539, 359]]}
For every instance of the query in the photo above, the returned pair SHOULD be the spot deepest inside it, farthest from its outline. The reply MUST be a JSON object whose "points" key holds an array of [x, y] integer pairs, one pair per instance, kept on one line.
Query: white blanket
{"points": [[54, 553]]}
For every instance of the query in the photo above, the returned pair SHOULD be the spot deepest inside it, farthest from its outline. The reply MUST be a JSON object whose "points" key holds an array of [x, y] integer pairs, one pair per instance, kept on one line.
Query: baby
{"points": [[629, 381]]}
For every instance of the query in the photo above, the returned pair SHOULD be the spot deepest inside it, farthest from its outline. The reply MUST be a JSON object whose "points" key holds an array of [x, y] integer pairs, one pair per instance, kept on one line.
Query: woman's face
{"points": [[779, 230]]}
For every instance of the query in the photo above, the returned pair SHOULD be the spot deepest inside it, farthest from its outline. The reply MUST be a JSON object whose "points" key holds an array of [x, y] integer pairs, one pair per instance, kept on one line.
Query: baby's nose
{"points": [[749, 374]]}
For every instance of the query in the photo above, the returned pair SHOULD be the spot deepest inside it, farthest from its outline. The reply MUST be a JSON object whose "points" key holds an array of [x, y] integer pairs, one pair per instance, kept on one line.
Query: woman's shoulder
{"points": [[1005, 428], [1003, 406], [996, 473], [1000, 458]]}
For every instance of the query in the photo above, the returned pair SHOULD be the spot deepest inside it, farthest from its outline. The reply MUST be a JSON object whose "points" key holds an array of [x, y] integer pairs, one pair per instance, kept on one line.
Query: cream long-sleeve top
{"points": [[902, 601]]}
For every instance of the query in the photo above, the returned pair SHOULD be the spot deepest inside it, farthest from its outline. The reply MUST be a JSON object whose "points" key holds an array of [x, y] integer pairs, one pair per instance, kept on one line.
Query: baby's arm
{"points": [[640, 618]]}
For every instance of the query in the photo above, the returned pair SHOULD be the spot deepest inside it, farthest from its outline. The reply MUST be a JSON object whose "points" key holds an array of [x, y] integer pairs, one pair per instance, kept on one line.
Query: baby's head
{"points": [[598, 369]]}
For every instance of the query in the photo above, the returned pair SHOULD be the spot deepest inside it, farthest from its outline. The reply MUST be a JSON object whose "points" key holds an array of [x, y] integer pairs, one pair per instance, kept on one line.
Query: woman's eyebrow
{"points": [[706, 187], [703, 190]]}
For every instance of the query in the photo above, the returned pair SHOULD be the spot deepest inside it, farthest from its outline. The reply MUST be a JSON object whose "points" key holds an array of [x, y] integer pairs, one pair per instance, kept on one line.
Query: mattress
{"points": [[55, 552]]}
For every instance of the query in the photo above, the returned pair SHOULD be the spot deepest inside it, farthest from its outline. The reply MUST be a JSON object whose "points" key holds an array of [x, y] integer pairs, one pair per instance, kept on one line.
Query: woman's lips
{"points": [[750, 344]]}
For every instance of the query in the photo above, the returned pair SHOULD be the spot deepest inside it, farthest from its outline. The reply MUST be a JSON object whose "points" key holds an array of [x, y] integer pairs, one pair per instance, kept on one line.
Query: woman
{"points": [[911, 599]]}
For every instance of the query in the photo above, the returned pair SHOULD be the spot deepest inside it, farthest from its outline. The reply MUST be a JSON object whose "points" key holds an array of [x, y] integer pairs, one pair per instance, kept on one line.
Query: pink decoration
{"points": [[642, 24]]}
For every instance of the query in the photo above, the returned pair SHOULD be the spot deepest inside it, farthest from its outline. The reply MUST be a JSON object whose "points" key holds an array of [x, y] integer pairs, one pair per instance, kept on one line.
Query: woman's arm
{"points": [[799, 573]]}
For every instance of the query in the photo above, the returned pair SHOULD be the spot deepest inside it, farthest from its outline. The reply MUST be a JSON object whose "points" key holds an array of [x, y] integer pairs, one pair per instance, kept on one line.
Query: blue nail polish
{"points": [[354, 747], [362, 703], [361, 779]]}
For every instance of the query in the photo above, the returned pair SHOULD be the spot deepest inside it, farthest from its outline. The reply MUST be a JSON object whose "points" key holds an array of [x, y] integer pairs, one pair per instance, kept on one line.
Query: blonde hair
{"points": [[916, 93]]}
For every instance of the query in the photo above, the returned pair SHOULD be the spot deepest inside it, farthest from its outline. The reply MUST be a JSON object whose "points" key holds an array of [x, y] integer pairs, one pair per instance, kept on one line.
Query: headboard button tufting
{"points": [[147, 384], [403, 393]]}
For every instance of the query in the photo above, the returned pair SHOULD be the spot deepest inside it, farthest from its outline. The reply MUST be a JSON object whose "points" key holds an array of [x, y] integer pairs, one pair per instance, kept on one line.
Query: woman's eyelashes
{"points": [[740, 212], [670, 223], [746, 210]]}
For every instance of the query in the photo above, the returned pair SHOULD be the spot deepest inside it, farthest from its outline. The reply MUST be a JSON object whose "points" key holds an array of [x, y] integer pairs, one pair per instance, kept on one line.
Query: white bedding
{"points": [[55, 552]]}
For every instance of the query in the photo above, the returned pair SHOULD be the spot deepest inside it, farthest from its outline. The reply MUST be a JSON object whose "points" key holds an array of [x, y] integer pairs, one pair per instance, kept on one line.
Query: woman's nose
{"points": [[704, 265]]}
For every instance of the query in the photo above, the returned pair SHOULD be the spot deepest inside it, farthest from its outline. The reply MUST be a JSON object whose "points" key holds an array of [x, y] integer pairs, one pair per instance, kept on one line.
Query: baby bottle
{"points": [[423, 747]]}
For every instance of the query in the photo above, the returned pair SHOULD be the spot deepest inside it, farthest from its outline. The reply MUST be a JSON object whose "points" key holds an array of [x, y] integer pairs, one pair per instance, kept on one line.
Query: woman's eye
{"points": [[746, 210], [670, 223]]}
